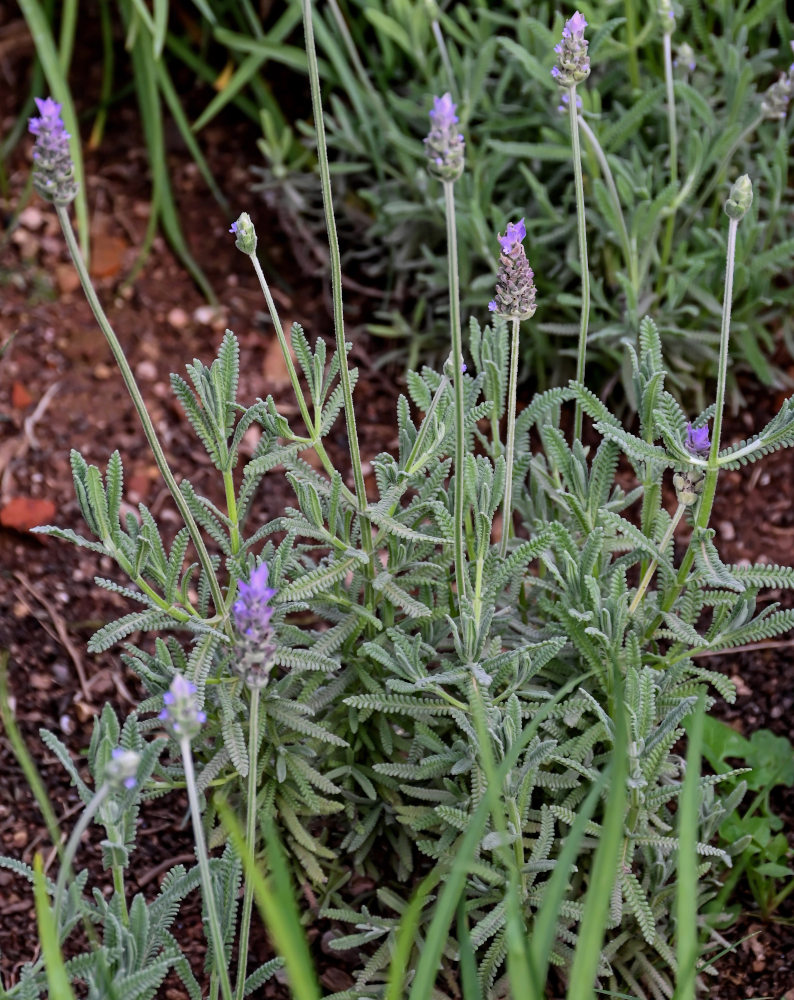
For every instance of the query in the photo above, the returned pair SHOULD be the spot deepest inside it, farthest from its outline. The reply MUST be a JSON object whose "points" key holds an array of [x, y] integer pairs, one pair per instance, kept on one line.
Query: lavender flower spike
{"points": [[53, 170], [697, 440], [444, 145], [515, 279], [181, 715], [252, 613], [573, 63]]}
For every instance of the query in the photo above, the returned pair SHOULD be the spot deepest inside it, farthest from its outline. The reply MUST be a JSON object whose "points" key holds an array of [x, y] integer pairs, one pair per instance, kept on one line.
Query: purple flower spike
{"points": [[444, 145], [573, 63], [252, 614], [53, 170], [697, 440], [515, 279], [181, 714]]}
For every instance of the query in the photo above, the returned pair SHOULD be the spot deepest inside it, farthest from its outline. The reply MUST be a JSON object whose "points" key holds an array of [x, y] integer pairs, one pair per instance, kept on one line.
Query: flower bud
{"points": [[53, 170], [444, 145], [181, 714], [244, 230], [573, 63], [122, 768], [740, 198]]}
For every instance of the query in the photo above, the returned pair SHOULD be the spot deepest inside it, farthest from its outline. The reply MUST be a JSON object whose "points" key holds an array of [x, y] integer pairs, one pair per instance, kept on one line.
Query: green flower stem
{"points": [[250, 837], [336, 267], [712, 467], [672, 132], [336, 289], [74, 842], [629, 254], [231, 509], [311, 427], [461, 580], [204, 869], [580, 224], [507, 506], [655, 562], [140, 406], [631, 44], [121, 893]]}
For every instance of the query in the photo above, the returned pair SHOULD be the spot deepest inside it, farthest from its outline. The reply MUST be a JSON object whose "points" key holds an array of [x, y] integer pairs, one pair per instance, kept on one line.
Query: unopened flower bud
{"points": [[667, 14], [573, 63], [740, 198], [244, 230], [688, 486], [444, 144], [777, 97], [122, 768], [181, 714]]}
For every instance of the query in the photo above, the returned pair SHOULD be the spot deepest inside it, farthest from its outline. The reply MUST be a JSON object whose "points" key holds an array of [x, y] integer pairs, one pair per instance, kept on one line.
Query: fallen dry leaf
{"points": [[24, 513]]}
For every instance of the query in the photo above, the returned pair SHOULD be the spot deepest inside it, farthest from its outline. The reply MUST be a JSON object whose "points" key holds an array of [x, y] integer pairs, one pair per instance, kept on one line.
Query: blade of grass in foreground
{"points": [[23, 757], [57, 977], [605, 864], [275, 898], [687, 941]]}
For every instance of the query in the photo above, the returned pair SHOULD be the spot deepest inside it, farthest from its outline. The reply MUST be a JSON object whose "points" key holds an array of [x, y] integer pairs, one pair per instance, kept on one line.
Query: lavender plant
{"points": [[478, 672]]}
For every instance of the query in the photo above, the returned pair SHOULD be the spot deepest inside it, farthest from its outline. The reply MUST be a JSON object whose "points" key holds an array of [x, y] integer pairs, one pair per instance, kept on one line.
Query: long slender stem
{"points": [[507, 507], [204, 869], [629, 255], [250, 838], [712, 470], [672, 133], [580, 225], [336, 264], [140, 406], [631, 43], [317, 443], [74, 840], [336, 289], [655, 562], [457, 382]]}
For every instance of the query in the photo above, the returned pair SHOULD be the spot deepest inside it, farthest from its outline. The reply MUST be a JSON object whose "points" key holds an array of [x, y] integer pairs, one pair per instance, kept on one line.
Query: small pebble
{"points": [[727, 531]]}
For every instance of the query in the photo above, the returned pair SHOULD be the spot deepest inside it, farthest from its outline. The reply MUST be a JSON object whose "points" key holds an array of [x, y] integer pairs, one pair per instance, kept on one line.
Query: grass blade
{"points": [[605, 864], [687, 940], [57, 977]]}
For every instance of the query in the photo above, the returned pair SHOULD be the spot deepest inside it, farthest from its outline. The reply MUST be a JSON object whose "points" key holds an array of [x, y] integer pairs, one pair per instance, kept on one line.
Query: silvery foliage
{"points": [[368, 749]]}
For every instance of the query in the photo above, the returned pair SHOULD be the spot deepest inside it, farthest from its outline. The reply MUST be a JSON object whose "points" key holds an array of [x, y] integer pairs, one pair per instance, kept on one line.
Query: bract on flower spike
{"points": [[53, 170], [515, 279], [181, 714], [573, 63], [444, 144]]}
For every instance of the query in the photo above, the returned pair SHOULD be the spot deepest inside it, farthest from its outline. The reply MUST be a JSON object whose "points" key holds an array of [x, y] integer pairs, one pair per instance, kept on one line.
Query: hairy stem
{"points": [[140, 406], [250, 838], [457, 383], [580, 225], [507, 506], [204, 868]]}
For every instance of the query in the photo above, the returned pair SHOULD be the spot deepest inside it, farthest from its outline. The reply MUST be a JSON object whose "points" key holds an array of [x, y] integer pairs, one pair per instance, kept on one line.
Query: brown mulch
{"points": [[59, 390]]}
